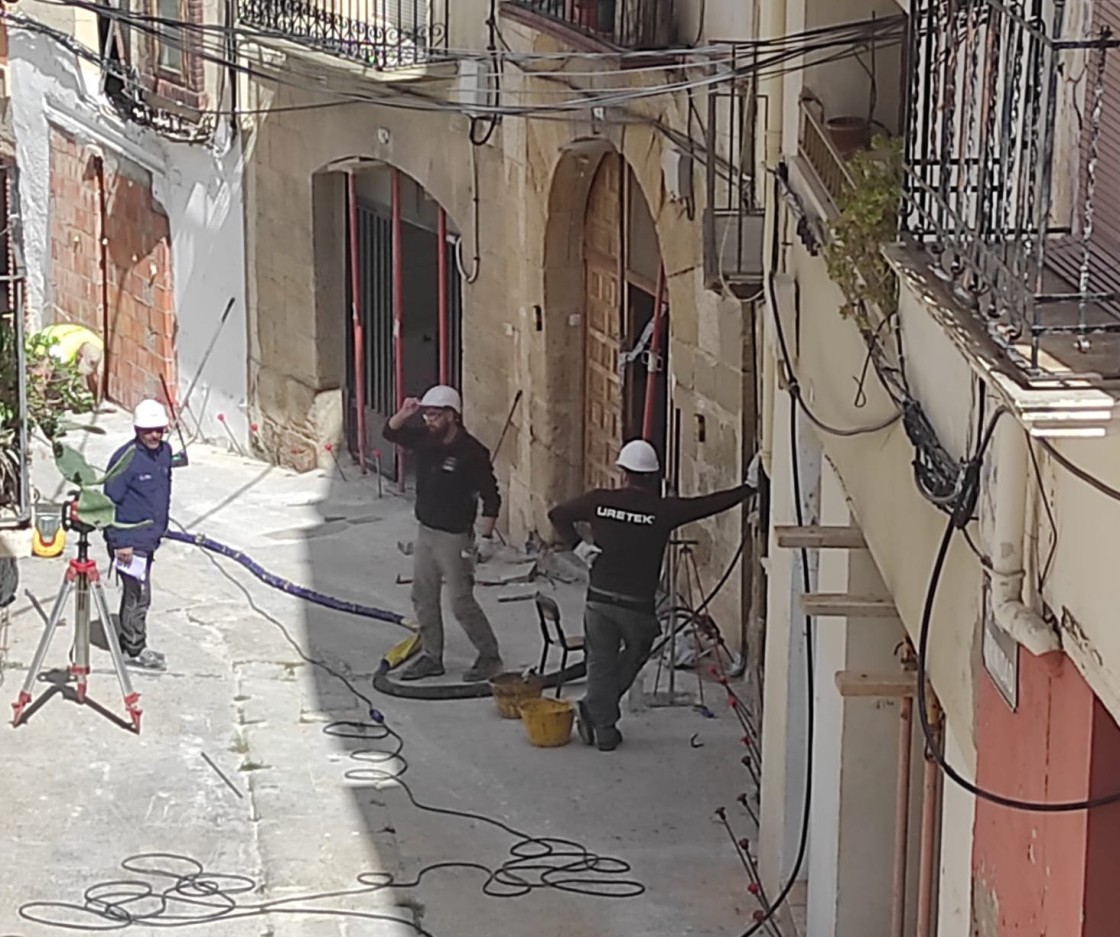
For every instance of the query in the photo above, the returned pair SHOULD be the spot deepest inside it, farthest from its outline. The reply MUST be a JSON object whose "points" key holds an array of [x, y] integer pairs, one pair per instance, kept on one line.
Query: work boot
{"points": [[583, 724], [608, 739], [147, 659], [483, 669], [422, 667]]}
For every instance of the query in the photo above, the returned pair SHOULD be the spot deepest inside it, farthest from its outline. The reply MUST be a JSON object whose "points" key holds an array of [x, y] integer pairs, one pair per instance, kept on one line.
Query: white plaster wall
{"points": [[901, 528], [784, 729], [958, 811], [829, 737], [199, 188]]}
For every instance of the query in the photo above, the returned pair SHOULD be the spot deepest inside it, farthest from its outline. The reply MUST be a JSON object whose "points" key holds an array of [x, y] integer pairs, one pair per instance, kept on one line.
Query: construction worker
{"points": [[453, 474], [631, 527], [142, 495], [73, 344]]}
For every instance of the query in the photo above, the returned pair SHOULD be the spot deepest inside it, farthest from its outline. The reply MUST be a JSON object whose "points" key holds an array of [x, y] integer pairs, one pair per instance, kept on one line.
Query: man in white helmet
{"points": [[453, 475], [631, 527], [142, 495]]}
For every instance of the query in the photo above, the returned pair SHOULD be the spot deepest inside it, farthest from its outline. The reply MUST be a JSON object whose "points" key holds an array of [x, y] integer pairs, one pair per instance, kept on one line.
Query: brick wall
{"points": [[139, 325]]}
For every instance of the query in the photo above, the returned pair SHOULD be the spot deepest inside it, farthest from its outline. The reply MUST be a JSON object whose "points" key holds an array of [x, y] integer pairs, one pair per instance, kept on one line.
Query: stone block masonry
{"points": [[123, 293]]}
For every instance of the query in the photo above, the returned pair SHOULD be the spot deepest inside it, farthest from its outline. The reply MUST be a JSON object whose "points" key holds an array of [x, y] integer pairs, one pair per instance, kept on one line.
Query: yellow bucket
{"points": [[510, 690], [548, 721]]}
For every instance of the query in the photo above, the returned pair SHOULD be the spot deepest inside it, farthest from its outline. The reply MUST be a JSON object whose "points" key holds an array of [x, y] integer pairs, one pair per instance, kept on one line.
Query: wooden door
{"points": [[602, 384]]}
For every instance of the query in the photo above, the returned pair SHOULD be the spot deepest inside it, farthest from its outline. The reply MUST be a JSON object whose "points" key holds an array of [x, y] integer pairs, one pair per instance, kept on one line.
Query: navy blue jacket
{"points": [[142, 492]]}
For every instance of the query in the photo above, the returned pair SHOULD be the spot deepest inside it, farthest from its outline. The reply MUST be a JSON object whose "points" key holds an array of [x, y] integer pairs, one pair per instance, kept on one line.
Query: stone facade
{"points": [[131, 304], [522, 320]]}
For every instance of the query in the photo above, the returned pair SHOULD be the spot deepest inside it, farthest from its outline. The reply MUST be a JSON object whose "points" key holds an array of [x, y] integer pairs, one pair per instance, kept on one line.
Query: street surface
{"points": [[261, 822]]}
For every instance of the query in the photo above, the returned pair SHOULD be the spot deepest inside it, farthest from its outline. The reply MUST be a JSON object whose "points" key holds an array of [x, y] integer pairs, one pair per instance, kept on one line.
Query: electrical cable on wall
{"points": [[960, 516]]}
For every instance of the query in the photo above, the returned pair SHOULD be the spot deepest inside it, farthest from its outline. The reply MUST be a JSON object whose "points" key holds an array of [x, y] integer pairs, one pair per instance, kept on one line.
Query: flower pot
{"points": [[848, 134]]}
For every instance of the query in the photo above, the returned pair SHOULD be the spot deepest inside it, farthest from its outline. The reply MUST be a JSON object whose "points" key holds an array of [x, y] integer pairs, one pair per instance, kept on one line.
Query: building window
{"points": [[174, 70], [170, 55]]}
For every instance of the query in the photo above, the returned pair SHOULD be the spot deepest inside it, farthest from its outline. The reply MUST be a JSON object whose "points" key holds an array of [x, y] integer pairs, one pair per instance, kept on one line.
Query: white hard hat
{"points": [[149, 414], [443, 397], [638, 456]]}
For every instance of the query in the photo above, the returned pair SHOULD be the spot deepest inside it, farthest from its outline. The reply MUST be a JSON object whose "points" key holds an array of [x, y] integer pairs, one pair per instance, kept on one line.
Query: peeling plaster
{"points": [[200, 190]]}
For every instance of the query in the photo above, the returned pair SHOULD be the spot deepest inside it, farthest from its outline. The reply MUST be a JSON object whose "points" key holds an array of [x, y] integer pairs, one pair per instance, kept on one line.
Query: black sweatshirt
{"points": [[632, 527], [450, 479]]}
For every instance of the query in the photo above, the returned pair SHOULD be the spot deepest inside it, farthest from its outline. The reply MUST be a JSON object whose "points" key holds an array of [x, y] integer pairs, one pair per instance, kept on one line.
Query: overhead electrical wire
{"points": [[174, 31]]}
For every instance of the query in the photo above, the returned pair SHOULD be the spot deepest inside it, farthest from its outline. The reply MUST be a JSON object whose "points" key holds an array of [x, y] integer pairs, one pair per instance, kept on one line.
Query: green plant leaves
{"points": [[73, 466], [867, 222], [120, 465], [96, 509]]}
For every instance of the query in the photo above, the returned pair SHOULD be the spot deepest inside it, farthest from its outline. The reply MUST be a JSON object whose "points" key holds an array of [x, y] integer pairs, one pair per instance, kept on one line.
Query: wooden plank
{"points": [[816, 537], [854, 683], [847, 605]]}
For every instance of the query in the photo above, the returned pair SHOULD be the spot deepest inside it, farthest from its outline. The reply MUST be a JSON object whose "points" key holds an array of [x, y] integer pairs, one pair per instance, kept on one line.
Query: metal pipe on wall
{"points": [[444, 343], [356, 321], [1008, 528], [927, 846], [902, 816], [398, 310], [103, 261], [654, 368]]}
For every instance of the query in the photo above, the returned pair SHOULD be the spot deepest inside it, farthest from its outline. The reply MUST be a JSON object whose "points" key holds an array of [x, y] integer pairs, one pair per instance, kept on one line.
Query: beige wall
{"points": [[534, 181]]}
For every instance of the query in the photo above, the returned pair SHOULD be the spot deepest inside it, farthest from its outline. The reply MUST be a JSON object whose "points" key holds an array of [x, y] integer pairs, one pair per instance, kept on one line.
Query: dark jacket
{"points": [[142, 492], [451, 478], [632, 527]]}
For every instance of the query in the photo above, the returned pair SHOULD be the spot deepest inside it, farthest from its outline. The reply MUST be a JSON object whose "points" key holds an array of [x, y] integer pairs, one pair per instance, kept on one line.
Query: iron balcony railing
{"points": [[818, 150], [1003, 183], [629, 24], [381, 34]]}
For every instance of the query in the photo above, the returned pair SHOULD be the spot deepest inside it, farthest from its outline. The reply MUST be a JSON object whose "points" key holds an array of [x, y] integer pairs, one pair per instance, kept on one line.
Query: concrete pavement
{"points": [[233, 768]]}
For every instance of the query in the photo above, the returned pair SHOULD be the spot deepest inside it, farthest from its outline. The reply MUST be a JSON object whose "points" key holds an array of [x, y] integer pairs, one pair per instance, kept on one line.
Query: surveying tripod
{"points": [[82, 579]]}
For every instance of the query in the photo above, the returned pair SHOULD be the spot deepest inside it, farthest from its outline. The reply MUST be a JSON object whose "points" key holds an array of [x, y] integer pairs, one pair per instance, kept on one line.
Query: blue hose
{"points": [[284, 585]]}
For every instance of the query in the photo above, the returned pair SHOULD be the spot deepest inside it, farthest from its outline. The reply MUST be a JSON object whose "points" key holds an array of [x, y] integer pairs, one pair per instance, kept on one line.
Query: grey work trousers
{"points": [[136, 599], [618, 643], [440, 557]]}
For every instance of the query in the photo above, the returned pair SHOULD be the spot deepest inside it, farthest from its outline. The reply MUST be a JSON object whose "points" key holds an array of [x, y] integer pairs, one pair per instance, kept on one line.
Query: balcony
{"points": [[620, 24], [734, 219], [853, 92], [378, 34], [1010, 216]]}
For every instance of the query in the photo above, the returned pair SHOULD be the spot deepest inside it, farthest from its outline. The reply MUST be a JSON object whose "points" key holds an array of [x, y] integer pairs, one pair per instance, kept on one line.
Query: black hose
{"points": [[381, 680], [449, 691]]}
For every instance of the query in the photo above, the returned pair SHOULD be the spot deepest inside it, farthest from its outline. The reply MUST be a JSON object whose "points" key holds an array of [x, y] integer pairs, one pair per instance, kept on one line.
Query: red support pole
{"points": [[444, 338], [356, 323], [398, 310], [654, 355]]}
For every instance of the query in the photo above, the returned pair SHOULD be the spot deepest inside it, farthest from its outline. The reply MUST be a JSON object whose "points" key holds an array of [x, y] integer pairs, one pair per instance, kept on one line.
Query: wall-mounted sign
{"points": [[1000, 652]]}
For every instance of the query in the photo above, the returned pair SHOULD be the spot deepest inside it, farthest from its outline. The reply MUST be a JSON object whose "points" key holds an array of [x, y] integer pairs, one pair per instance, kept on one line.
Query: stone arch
{"points": [[373, 183], [564, 300]]}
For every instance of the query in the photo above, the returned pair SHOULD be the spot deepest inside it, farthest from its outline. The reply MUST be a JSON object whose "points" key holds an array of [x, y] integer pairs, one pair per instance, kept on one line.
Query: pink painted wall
{"points": [[1041, 874]]}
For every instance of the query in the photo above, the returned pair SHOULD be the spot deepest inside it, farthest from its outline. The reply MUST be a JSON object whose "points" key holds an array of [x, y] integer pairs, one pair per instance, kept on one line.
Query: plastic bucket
{"points": [[548, 721], [511, 689]]}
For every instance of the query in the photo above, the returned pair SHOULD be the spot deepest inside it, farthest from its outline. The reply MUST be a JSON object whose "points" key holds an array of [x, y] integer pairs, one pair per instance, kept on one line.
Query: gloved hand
{"points": [[587, 552], [485, 548], [752, 470]]}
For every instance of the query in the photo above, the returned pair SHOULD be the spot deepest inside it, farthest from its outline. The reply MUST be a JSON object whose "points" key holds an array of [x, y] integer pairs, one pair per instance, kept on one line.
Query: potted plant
{"points": [[867, 222]]}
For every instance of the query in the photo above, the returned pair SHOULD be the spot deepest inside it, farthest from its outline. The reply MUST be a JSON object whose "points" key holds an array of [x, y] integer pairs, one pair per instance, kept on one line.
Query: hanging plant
{"points": [[867, 222]]}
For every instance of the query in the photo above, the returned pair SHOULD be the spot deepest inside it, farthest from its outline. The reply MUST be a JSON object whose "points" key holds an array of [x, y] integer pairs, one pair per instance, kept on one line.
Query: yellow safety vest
{"points": [[69, 340]]}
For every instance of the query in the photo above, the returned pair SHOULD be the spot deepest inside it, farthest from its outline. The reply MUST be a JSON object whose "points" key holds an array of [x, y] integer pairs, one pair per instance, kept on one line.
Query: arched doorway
{"points": [[400, 265], [623, 282]]}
